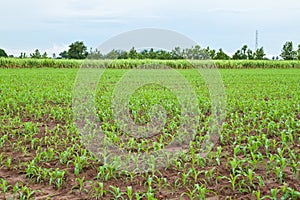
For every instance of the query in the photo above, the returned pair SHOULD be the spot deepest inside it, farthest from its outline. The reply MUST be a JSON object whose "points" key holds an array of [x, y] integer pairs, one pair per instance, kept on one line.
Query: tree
{"points": [[196, 52], [113, 54], [36, 54], [245, 53], [163, 55], [259, 54], [241, 54], [237, 55], [95, 54], [64, 54], [152, 54], [133, 54], [244, 48], [298, 51], [221, 55], [122, 54], [250, 54], [23, 55], [212, 53], [3, 53], [188, 53], [176, 53], [144, 54], [287, 52], [77, 50], [44, 56]]}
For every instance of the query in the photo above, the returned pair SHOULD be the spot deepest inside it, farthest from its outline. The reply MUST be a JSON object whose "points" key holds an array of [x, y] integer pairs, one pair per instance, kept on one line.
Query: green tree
{"points": [[113, 54], [64, 54], [144, 54], [3, 53], [287, 52], [36, 54], [250, 54], [221, 55], [244, 48], [95, 54], [212, 53], [77, 50], [240, 54], [188, 53], [237, 55], [44, 56], [245, 53], [163, 55], [176, 53], [195, 53], [259, 54], [133, 54], [152, 54], [123, 55], [23, 55], [298, 51]]}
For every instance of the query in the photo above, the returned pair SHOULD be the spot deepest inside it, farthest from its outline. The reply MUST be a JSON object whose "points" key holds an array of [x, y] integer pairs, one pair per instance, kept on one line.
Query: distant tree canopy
{"points": [[3, 53], [298, 52], [194, 53], [38, 55], [64, 54], [95, 54], [259, 54], [288, 53], [247, 54], [220, 55], [78, 50]]}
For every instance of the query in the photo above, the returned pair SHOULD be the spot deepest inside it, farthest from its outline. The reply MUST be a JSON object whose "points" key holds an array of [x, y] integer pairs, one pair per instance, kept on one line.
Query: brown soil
{"points": [[221, 187]]}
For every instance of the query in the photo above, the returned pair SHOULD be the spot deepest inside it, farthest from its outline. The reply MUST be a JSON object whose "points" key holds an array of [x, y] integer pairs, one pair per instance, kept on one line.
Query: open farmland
{"points": [[256, 156]]}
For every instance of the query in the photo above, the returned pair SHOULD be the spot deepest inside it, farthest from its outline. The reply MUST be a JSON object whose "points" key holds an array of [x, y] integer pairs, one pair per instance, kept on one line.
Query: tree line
{"points": [[78, 50]]}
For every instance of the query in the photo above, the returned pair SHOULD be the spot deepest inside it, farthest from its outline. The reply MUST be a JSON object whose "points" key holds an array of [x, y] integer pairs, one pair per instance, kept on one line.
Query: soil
{"points": [[221, 187]]}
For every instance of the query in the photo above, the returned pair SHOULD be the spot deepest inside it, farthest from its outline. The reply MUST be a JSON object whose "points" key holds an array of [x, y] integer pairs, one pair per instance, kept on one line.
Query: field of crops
{"points": [[256, 157], [129, 63]]}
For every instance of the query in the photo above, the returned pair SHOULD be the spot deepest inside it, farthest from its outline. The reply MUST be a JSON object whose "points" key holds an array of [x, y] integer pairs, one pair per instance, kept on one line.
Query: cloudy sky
{"points": [[51, 25]]}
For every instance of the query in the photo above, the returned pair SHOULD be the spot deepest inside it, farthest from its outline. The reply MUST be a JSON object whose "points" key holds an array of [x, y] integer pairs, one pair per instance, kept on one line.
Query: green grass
{"points": [[257, 155]]}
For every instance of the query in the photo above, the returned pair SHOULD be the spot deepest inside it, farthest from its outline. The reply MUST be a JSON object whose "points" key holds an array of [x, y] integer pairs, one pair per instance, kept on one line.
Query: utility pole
{"points": [[256, 40]]}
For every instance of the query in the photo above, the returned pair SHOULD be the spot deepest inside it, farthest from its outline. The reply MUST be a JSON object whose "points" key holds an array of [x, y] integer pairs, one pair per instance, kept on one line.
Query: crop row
{"points": [[256, 157], [128, 63]]}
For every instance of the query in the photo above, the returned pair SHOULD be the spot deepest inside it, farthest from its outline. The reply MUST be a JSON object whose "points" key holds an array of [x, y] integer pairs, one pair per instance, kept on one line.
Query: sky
{"points": [[52, 25]]}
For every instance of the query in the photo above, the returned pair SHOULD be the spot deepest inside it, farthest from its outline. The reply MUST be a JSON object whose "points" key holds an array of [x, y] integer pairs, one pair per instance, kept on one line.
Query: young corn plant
{"points": [[129, 193], [116, 192], [80, 185], [26, 193], [57, 177], [99, 190], [233, 180], [4, 185]]}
